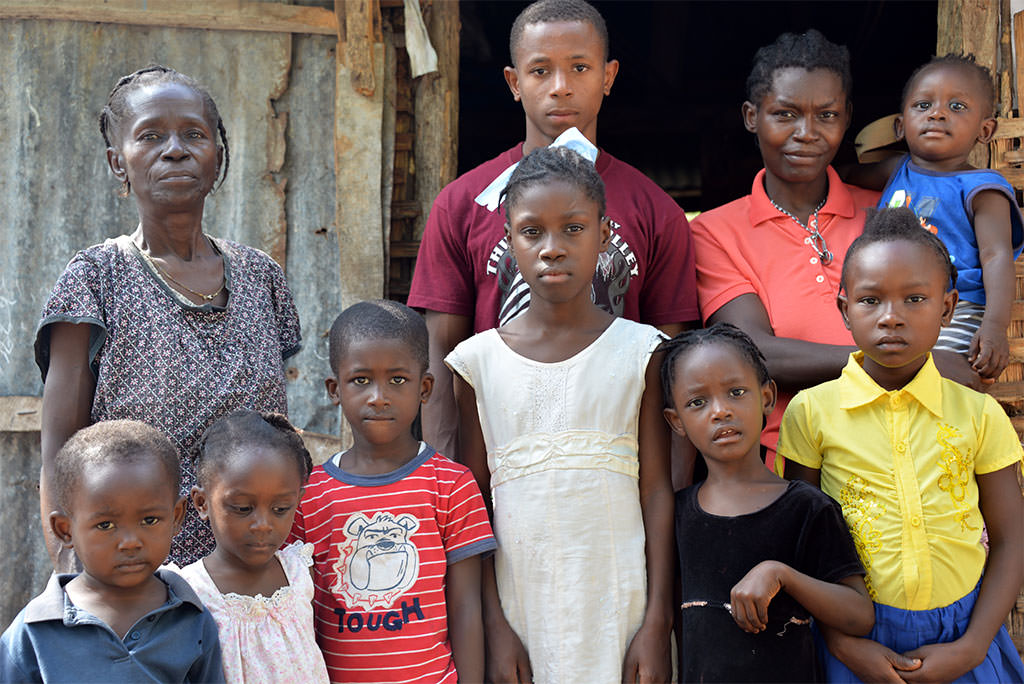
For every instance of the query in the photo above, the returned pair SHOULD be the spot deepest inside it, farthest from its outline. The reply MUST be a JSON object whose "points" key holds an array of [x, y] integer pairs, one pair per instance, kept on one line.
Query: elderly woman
{"points": [[770, 262], [167, 325]]}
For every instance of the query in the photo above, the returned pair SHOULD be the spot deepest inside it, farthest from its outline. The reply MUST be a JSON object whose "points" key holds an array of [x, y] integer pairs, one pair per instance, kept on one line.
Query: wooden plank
{"points": [[320, 446], [361, 22], [1014, 177], [437, 109], [20, 414], [1018, 50], [1007, 391], [224, 15], [1006, 79], [1009, 128], [971, 26]]}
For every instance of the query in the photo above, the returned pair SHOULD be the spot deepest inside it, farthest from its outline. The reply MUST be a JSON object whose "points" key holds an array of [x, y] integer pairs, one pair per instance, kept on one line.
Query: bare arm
{"points": [[990, 352], [844, 605], [793, 364], [648, 656], [798, 364], [506, 657], [440, 415], [465, 623], [1003, 511], [796, 471], [869, 660], [873, 175], [67, 403]]}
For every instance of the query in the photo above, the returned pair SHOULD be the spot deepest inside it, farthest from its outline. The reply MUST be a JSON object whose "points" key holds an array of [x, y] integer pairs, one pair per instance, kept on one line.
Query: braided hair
{"points": [[244, 428], [551, 11], [719, 333], [808, 51], [967, 63], [546, 164], [116, 108], [895, 225]]}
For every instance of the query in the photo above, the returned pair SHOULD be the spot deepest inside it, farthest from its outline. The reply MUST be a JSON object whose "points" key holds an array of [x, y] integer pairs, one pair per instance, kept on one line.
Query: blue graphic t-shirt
{"points": [[943, 203]]}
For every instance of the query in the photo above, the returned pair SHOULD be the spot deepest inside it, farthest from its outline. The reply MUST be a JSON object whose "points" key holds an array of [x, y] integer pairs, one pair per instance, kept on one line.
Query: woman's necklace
{"points": [[164, 274], [817, 240]]}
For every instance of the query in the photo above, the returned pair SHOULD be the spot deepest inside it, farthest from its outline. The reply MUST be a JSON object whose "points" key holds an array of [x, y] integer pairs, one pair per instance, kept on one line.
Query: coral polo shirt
{"points": [[749, 246]]}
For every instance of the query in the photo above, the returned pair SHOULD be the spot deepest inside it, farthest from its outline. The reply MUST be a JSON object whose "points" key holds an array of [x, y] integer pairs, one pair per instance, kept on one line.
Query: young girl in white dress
{"points": [[251, 468], [560, 420]]}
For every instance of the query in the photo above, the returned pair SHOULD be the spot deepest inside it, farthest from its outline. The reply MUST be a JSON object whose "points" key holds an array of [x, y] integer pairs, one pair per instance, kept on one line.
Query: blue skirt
{"points": [[904, 630]]}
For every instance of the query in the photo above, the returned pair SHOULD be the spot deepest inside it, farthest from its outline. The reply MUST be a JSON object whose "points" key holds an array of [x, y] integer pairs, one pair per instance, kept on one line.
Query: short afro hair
{"points": [[551, 11], [545, 165], [808, 51], [898, 224], [967, 63], [374, 320], [111, 442], [245, 427]]}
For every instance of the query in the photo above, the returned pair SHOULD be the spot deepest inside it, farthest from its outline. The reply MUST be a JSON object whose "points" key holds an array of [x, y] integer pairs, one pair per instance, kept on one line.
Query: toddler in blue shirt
{"points": [[122, 618]]}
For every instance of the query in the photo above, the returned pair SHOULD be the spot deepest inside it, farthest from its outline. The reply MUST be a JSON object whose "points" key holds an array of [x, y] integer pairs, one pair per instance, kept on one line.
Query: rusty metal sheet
{"points": [[313, 266], [24, 565], [56, 193]]}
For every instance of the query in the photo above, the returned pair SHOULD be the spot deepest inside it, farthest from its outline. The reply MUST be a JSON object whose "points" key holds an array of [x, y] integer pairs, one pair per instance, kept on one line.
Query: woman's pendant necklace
{"points": [[164, 274], [817, 240]]}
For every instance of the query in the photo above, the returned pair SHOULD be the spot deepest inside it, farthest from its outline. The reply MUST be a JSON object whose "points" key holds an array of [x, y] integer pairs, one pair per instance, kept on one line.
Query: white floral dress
{"points": [[266, 640]]}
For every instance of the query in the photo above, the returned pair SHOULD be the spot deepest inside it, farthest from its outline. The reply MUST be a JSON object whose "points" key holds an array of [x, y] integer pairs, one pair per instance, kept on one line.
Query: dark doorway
{"points": [[674, 112]]}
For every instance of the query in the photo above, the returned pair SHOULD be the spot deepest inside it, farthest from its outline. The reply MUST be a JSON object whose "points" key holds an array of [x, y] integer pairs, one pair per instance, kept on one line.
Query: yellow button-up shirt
{"points": [[902, 465]]}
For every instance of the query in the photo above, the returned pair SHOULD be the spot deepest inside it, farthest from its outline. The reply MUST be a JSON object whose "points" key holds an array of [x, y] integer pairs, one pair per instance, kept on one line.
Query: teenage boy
{"points": [[466, 277]]}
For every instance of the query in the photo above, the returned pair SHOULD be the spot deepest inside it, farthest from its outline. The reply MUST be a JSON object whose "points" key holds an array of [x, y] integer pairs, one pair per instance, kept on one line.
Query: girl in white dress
{"points": [[251, 469], [561, 421]]}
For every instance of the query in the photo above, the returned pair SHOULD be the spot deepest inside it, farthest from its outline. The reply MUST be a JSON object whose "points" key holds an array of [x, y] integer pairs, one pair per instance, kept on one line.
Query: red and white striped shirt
{"points": [[382, 545]]}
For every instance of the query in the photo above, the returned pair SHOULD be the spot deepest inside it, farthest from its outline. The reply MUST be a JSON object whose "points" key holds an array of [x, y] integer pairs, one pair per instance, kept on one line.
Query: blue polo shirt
{"points": [[54, 641]]}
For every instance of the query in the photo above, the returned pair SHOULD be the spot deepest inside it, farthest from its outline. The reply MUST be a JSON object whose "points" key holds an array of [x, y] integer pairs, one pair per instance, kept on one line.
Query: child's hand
{"points": [[752, 594], [507, 660], [989, 351], [941, 662], [954, 366], [869, 660], [649, 656]]}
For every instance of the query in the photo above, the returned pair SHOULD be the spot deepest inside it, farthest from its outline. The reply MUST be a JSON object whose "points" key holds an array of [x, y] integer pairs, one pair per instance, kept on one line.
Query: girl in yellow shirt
{"points": [[919, 465]]}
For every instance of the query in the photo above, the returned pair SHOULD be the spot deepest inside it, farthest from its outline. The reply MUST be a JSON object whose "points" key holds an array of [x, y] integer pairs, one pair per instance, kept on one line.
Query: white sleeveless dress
{"points": [[561, 444]]}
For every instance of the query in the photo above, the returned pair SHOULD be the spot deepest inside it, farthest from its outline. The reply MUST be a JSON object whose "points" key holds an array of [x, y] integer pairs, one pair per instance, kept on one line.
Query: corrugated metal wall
{"points": [[57, 195], [276, 95]]}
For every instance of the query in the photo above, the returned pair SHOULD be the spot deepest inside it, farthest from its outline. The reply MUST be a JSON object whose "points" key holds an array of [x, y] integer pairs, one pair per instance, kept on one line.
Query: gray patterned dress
{"points": [[178, 366]]}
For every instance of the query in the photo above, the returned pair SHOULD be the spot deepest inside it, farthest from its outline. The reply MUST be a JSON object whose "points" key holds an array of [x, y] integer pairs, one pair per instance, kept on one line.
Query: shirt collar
{"points": [[857, 388], [838, 203], [50, 605]]}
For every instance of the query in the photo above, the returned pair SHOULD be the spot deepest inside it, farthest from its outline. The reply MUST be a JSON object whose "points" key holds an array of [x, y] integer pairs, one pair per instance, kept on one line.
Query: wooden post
{"points": [[358, 116], [971, 26], [437, 109]]}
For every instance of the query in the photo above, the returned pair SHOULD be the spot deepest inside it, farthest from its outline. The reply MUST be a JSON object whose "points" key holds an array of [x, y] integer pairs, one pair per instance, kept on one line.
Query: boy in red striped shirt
{"points": [[398, 529]]}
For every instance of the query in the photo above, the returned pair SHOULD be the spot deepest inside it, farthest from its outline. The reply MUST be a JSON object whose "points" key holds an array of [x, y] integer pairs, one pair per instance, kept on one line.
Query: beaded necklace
{"points": [[817, 240]]}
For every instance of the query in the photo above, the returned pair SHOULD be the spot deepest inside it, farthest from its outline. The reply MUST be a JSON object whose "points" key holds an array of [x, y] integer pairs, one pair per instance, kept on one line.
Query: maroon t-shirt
{"points": [[647, 274]]}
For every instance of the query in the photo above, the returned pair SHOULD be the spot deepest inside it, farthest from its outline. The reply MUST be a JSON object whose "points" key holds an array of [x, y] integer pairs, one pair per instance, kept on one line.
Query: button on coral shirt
{"points": [[902, 465], [749, 247]]}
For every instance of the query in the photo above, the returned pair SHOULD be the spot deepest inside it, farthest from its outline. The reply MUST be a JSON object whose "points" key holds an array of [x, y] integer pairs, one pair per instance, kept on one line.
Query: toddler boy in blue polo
{"points": [[52, 640]]}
